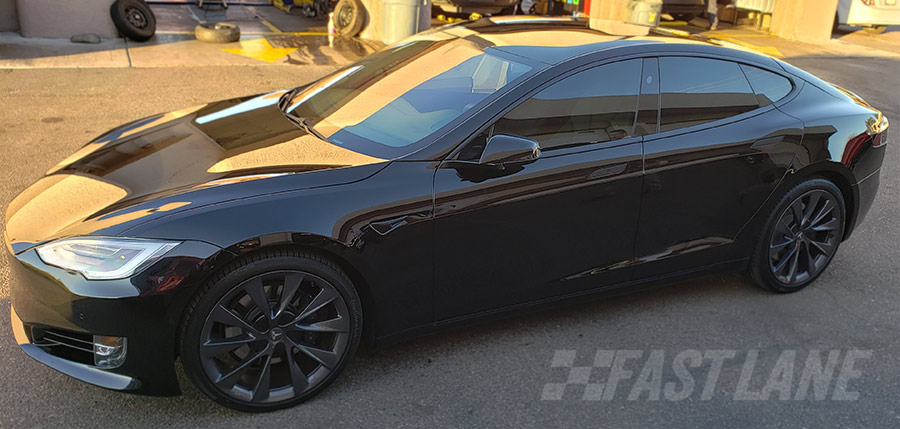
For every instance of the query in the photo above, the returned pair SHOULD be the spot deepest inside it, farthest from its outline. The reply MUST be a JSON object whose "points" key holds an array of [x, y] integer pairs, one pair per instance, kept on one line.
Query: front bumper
{"points": [[48, 299]]}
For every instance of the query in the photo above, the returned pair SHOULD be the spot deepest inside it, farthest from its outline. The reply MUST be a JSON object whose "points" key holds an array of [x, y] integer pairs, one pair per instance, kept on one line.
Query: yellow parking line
{"points": [[673, 23], [270, 25], [717, 34], [264, 33]]}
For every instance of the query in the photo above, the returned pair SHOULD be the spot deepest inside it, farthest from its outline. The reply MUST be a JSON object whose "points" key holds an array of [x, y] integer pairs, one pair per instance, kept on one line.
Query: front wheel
{"points": [[271, 331], [800, 238]]}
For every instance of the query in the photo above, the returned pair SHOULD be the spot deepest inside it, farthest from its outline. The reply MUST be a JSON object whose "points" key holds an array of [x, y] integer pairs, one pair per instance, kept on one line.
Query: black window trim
{"points": [[566, 150], [731, 119]]}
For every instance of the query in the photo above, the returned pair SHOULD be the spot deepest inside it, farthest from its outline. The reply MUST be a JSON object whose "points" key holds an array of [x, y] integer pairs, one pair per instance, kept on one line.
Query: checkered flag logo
{"points": [[578, 376]]}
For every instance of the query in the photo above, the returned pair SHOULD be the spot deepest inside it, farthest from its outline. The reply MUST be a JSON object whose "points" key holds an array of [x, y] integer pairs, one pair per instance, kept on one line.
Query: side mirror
{"points": [[506, 148]]}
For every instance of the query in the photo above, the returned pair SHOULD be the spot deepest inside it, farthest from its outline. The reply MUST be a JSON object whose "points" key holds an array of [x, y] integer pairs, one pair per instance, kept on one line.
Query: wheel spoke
{"points": [[785, 260], [811, 207], [227, 317], [261, 389], [338, 324], [227, 381], [825, 211], [325, 296], [797, 212], [298, 378], [214, 348], [831, 225], [257, 293], [822, 246], [292, 282], [794, 265], [810, 261], [327, 358], [775, 249]]}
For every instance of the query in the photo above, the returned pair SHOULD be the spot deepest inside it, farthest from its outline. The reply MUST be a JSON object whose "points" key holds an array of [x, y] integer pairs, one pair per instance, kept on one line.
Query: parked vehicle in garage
{"points": [[475, 170], [684, 10], [873, 15]]}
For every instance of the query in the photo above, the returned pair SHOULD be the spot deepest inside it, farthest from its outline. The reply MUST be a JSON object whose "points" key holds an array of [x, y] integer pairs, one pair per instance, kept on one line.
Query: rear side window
{"points": [[769, 87], [595, 105], [695, 91]]}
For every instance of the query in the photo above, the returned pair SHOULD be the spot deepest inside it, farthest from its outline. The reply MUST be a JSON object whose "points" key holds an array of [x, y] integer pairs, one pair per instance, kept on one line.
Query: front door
{"points": [[560, 225]]}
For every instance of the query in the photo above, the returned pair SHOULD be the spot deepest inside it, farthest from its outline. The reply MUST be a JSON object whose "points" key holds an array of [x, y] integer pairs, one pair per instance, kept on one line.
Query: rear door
{"points": [[720, 150]]}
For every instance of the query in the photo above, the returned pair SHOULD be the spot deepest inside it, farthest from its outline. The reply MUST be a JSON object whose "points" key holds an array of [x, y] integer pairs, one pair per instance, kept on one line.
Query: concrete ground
{"points": [[268, 37], [491, 375]]}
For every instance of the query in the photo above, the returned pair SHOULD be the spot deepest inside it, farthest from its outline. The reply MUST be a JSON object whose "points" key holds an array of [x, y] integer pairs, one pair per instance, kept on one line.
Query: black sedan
{"points": [[471, 171]]}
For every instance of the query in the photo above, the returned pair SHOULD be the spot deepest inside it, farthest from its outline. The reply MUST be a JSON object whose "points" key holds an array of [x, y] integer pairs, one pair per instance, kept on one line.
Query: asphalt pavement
{"points": [[494, 374]]}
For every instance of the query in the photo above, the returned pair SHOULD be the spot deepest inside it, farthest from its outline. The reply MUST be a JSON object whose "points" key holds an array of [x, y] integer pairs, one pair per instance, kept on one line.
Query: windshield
{"points": [[388, 104]]}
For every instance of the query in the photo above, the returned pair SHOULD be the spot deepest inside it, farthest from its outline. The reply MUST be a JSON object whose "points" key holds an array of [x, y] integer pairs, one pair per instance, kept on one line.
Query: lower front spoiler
{"points": [[85, 373]]}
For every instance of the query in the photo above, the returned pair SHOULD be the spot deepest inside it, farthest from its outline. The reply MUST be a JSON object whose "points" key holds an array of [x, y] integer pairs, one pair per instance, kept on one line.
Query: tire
{"points": [[878, 29], [836, 24], [231, 346], [349, 17], [684, 16], [220, 32], [134, 19], [800, 237]]}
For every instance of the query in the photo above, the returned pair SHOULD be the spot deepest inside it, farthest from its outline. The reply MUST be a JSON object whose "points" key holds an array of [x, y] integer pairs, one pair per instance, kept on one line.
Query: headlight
{"points": [[103, 258]]}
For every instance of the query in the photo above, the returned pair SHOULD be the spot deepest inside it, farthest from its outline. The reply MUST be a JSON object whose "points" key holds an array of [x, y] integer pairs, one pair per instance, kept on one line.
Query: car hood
{"points": [[170, 162]]}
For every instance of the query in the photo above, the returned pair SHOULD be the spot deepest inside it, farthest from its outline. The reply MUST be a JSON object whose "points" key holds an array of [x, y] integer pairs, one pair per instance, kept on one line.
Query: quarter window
{"points": [[595, 105], [698, 90], [769, 87]]}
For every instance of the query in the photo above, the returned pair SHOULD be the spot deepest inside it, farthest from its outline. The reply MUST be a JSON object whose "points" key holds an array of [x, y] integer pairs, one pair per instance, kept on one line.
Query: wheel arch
{"points": [[325, 247], [834, 172], [838, 174]]}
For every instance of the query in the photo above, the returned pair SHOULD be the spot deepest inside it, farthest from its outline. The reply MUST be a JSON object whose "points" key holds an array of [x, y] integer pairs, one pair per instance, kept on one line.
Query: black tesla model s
{"points": [[469, 171]]}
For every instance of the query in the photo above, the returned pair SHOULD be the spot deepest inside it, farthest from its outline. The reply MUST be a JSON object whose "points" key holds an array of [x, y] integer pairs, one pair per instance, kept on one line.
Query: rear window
{"points": [[695, 91], [768, 87]]}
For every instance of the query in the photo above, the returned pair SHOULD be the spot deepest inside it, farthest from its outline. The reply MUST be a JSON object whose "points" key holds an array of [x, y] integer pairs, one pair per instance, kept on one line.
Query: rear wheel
{"points": [[272, 331], [800, 238]]}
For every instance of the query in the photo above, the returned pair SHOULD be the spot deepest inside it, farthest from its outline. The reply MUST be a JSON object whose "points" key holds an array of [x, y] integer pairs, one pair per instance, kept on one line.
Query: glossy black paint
{"points": [[427, 239]]}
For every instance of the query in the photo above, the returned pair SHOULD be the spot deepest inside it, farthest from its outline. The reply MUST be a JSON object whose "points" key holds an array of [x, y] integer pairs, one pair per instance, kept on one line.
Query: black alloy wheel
{"points": [[803, 236], [275, 337]]}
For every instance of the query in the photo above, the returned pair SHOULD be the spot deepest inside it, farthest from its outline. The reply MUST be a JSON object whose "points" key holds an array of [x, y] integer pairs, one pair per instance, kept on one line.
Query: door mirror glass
{"points": [[506, 148]]}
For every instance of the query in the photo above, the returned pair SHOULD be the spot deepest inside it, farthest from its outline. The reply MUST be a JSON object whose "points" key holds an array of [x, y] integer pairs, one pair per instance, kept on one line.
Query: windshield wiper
{"points": [[286, 98], [283, 104], [306, 126]]}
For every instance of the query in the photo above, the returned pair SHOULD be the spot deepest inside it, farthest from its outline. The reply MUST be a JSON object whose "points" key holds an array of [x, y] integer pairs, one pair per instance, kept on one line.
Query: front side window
{"points": [[695, 91], [595, 105]]}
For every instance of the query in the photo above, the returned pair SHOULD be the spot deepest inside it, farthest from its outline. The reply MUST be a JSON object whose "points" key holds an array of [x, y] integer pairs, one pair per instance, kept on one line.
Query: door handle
{"points": [[610, 170], [768, 141]]}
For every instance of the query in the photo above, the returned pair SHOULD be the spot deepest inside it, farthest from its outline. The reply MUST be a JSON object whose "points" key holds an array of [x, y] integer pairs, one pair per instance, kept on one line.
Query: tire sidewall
{"points": [[760, 270], [209, 297], [208, 33]]}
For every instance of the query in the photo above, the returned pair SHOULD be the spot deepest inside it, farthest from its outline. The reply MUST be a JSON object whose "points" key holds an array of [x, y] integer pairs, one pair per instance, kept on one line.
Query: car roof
{"points": [[552, 40]]}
